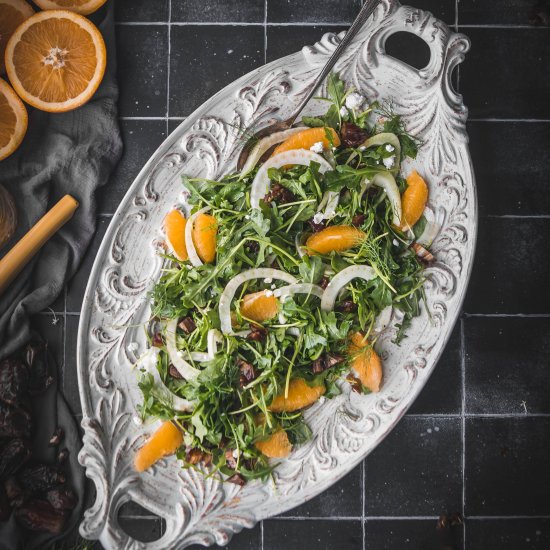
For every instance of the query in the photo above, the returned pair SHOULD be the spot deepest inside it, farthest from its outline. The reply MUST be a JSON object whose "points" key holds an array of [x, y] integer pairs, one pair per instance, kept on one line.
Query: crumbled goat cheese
{"points": [[132, 347], [317, 147], [363, 148], [389, 162], [354, 100], [395, 242], [343, 111], [318, 218], [268, 293], [273, 286], [390, 148], [268, 280], [277, 293], [137, 420]]}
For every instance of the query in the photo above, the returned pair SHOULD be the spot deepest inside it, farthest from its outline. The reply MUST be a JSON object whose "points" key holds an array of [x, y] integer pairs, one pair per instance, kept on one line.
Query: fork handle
{"points": [[366, 11]]}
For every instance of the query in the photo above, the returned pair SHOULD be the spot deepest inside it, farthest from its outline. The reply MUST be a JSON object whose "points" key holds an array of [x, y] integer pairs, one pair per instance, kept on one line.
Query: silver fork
{"points": [[366, 11]]}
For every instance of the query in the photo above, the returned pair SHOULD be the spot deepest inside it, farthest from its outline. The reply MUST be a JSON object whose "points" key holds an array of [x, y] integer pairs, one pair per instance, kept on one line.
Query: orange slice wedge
{"points": [[308, 138], [414, 199], [276, 446], [300, 395], [165, 441], [174, 229], [259, 307], [84, 7], [334, 238], [13, 120], [56, 60], [366, 363], [12, 14], [204, 237]]}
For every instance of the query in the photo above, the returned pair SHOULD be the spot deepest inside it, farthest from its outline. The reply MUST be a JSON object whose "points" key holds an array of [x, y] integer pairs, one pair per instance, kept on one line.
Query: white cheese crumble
{"points": [[268, 293], [395, 242], [389, 162], [318, 218], [317, 147], [137, 420], [268, 280], [363, 148], [132, 347], [277, 293], [354, 100], [343, 111], [390, 148]]}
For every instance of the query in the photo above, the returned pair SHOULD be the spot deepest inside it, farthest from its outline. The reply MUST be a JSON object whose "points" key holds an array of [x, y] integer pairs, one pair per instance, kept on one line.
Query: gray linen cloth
{"points": [[72, 153]]}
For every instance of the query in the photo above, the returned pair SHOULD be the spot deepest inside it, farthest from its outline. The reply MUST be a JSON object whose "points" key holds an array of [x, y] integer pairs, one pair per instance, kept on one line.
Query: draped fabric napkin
{"points": [[72, 153]]}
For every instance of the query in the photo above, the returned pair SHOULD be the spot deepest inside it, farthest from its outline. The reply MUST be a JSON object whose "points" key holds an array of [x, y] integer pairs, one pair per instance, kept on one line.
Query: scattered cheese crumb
{"points": [[395, 242], [268, 280], [132, 347], [318, 218], [343, 111], [268, 293], [277, 293], [390, 148], [137, 420], [247, 217], [362, 148], [389, 162], [273, 286], [317, 147], [354, 100]]}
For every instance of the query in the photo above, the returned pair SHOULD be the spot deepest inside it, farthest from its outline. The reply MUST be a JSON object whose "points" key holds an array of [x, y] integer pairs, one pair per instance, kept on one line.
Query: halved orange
{"points": [[13, 120], [308, 138], [84, 7], [300, 395], [276, 446], [174, 229], [204, 232], [56, 60], [12, 14], [414, 199], [259, 307], [366, 363], [165, 441], [334, 238]]}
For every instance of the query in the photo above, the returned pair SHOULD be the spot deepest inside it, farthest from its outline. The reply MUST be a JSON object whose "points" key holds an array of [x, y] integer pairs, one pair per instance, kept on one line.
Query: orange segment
{"points": [[204, 237], [12, 14], [366, 363], [300, 395], [56, 60], [165, 441], [84, 7], [174, 228], [259, 307], [334, 238], [308, 138], [414, 199], [13, 120], [277, 446]]}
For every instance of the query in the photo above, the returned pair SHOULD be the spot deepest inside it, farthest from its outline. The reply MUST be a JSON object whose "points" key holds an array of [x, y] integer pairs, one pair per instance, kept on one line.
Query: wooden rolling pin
{"points": [[18, 257]]}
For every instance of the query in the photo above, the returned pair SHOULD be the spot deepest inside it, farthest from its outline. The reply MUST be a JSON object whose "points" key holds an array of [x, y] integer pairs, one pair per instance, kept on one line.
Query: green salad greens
{"points": [[312, 256]]}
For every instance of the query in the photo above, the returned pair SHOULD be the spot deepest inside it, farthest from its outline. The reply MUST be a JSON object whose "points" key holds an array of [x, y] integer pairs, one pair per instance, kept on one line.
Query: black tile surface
{"points": [[310, 535], [411, 535], [142, 69], [142, 529], [343, 499], [509, 534], [141, 10], [511, 267], [205, 58], [52, 329], [505, 12], [141, 138], [442, 393], [313, 11], [496, 80], [222, 11], [511, 173], [507, 466], [507, 365], [416, 470]]}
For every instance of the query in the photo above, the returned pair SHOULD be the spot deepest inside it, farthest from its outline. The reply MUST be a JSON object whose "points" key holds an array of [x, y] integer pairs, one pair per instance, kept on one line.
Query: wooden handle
{"points": [[16, 259]]}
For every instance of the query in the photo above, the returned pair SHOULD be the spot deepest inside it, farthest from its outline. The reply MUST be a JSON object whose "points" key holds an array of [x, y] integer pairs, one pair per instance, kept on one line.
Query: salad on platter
{"points": [[277, 283]]}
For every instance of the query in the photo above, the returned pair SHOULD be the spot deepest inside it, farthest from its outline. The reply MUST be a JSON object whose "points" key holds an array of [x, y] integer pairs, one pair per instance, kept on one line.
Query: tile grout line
{"points": [[262, 534], [265, 32], [363, 487], [168, 66], [463, 425]]}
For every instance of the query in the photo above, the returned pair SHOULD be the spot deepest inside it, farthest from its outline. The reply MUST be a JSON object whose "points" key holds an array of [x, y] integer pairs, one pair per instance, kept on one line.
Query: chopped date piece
{"points": [[347, 306], [257, 333], [237, 479], [252, 247], [358, 220], [62, 456], [455, 519], [14, 422], [230, 459], [14, 379], [16, 495], [442, 522], [423, 254], [323, 283], [157, 341], [355, 383], [316, 227], [13, 455], [193, 456], [247, 372], [326, 361], [5, 508], [174, 373], [318, 365], [352, 135], [62, 499], [56, 438], [40, 378], [39, 478], [40, 515], [279, 194], [187, 325]]}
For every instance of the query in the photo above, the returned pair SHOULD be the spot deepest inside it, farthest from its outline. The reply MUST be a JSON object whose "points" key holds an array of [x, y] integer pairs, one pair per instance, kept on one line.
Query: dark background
{"points": [[477, 441]]}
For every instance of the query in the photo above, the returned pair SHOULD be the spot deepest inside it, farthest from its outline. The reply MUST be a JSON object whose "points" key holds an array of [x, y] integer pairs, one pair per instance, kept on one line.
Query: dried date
{"points": [[352, 135], [279, 194], [40, 379], [5, 508], [40, 515], [56, 438], [12, 456], [39, 478], [14, 422], [237, 479], [326, 361], [62, 499], [14, 379], [15, 493], [187, 325]]}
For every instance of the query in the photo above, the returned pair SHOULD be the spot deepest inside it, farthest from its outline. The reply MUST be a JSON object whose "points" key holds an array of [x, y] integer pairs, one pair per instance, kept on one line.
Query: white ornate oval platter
{"points": [[204, 510]]}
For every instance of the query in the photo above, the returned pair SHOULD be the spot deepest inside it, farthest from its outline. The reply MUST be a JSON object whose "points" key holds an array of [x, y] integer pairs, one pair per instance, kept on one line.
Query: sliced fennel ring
{"points": [[231, 288], [340, 280]]}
